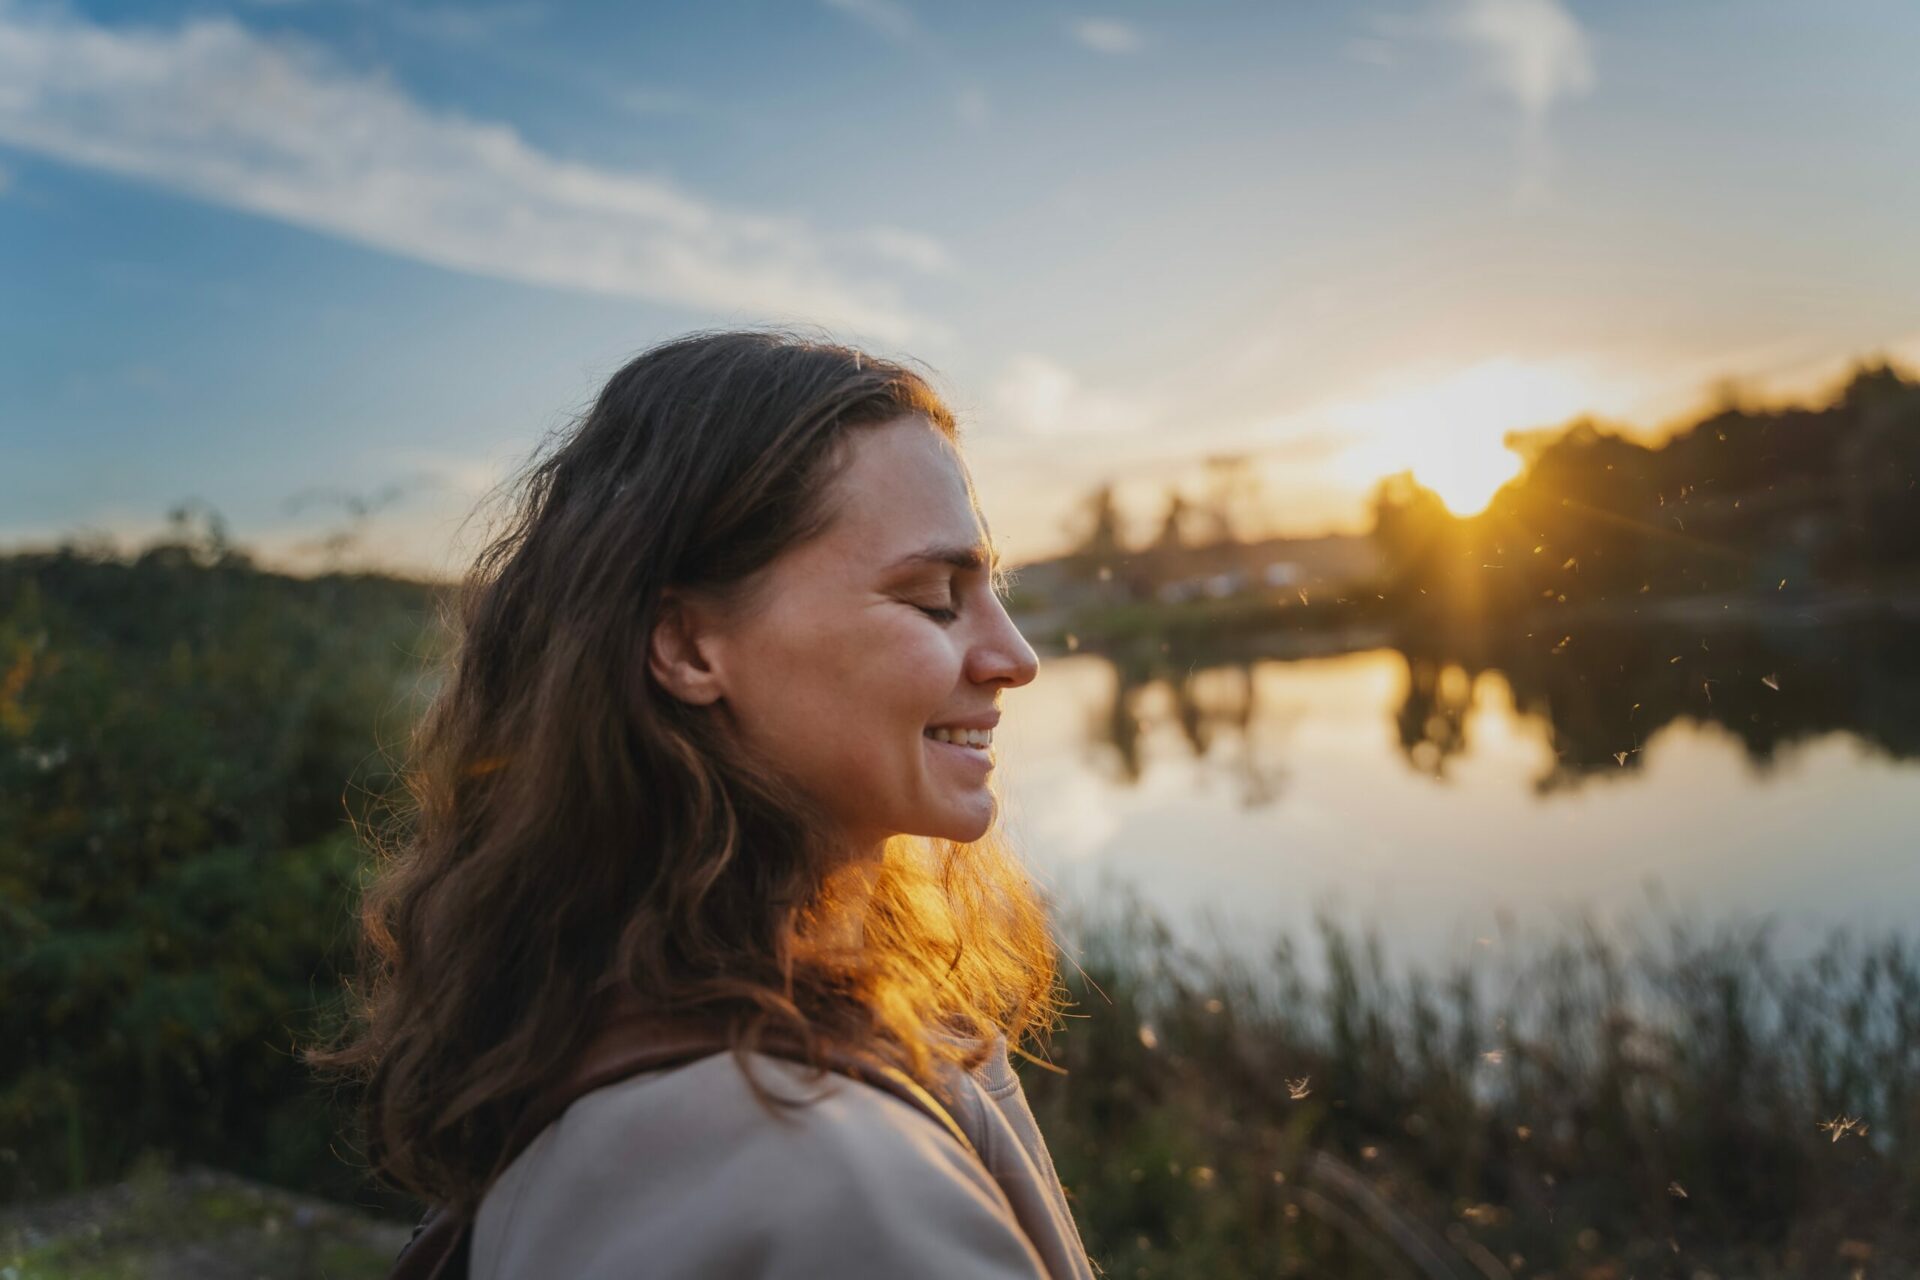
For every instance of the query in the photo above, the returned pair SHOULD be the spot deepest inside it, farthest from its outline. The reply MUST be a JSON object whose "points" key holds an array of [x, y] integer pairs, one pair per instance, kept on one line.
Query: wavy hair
{"points": [[576, 836]]}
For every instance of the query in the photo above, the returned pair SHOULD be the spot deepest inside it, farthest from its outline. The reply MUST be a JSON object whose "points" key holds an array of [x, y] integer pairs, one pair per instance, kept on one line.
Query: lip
{"points": [[980, 758], [987, 721]]}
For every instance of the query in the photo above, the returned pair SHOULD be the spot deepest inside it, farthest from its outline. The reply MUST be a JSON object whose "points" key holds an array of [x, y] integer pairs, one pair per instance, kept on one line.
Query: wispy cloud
{"points": [[1533, 53], [1106, 35], [897, 23], [1374, 52], [973, 107], [1041, 397], [651, 100], [463, 23], [910, 249], [217, 112]]}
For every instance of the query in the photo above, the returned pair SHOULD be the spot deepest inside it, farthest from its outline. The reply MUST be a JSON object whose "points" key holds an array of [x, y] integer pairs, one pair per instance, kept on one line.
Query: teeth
{"points": [[963, 737]]}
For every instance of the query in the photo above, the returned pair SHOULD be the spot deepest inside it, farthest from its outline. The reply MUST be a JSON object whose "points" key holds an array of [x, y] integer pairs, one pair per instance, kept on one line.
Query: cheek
{"points": [[913, 675], [896, 679], [834, 697], [838, 703]]}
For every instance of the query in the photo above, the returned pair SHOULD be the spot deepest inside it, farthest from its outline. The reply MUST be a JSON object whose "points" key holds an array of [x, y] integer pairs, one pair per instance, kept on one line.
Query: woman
{"points": [[702, 811]]}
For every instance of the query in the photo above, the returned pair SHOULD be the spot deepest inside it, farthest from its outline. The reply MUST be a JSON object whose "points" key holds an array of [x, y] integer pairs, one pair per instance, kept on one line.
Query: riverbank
{"points": [[1286, 626]]}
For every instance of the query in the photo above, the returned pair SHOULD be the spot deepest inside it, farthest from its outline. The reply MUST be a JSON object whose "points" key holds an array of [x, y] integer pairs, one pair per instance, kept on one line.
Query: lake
{"points": [[1461, 797]]}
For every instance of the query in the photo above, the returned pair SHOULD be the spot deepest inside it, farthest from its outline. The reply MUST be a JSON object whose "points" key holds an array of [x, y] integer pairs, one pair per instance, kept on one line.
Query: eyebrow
{"points": [[957, 556]]}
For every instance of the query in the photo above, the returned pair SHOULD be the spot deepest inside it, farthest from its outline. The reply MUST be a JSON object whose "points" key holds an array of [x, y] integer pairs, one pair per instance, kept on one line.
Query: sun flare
{"points": [[1466, 478], [1449, 429]]}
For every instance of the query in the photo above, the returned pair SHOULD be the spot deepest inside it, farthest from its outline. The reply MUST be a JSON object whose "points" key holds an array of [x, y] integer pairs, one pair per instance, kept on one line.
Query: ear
{"points": [[680, 651]]}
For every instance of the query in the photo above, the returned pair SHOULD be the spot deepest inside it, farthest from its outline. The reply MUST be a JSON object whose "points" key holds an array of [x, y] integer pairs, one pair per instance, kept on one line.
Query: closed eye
{"points": [[939, 615]]}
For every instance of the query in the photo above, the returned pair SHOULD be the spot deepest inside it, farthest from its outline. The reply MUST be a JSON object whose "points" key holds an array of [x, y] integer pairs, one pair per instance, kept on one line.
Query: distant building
{"points": [[1176, 574]]}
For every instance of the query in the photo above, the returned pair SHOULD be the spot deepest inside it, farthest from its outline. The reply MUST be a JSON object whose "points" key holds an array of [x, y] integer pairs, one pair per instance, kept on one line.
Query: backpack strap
{"points": [[440, 1246]]}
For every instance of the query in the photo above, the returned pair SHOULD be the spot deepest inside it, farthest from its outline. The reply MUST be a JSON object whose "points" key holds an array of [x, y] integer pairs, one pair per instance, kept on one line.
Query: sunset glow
{"points": [[1362, 244], [1450, 428], [1467, 478]]}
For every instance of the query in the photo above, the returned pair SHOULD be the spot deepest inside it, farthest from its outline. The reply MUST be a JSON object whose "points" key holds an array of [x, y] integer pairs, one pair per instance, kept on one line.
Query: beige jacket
{"points": [[683, 1173]]}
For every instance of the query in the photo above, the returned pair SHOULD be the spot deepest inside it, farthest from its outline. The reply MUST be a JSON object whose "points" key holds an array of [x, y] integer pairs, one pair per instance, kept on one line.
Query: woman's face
{"points": [[861, 644]]}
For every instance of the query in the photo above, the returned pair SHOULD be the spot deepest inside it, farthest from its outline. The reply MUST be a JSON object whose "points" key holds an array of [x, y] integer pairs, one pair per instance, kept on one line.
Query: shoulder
{"points": [[686, 1172]]}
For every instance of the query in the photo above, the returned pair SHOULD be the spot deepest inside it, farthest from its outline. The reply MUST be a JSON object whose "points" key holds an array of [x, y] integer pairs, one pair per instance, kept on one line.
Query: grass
{"points": [[164, 1223], [1676, 1102], [1671, 1101]]}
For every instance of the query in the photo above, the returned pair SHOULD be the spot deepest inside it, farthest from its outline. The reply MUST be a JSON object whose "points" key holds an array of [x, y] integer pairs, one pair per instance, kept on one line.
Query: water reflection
{"points": [[1440, 792], [1209, 706], [1599, 691], [1603, 691]]}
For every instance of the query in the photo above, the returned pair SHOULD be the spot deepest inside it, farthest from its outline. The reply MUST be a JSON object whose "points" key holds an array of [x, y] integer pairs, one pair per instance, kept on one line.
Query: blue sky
{"points": [[264, 253]]}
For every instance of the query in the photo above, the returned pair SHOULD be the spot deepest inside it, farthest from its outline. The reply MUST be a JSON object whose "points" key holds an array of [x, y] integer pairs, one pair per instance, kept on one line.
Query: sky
{"points": [[301, 259]]}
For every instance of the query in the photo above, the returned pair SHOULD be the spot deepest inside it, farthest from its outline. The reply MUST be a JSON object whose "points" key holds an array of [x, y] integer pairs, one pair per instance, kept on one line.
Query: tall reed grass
{"points": [[1680, 1100]]}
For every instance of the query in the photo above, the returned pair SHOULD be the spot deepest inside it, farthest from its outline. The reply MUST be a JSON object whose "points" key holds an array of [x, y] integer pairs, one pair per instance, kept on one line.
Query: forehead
{"points": [[901, 487]]}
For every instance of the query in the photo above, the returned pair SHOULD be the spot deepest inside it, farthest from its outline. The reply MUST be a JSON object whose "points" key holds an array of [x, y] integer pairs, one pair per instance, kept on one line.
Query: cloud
{"points": [[910, 249], [473, 472], [898, 24], [972, 106], [1107, 35], [651, 100], [1533, 51], [213, 111], [464, 23], [1373, 52], [1040, 397], [895, 21]]}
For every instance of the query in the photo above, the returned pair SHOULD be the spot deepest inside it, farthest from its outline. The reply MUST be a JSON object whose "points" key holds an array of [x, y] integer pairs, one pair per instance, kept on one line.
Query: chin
{"points": [[962, 826]]}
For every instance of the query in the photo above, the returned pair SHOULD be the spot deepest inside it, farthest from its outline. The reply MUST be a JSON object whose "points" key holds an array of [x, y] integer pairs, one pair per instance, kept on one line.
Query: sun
{"points": [[1466, 478], [1449, 428]]}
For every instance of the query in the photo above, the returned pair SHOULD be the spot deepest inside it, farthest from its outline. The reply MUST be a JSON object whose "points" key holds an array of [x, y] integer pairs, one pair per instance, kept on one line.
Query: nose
{"points": [[1002, 656]]}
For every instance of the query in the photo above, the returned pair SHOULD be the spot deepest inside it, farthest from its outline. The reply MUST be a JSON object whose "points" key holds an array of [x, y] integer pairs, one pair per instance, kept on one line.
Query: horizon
{"points": [[1137, 520], [1346, 245]]}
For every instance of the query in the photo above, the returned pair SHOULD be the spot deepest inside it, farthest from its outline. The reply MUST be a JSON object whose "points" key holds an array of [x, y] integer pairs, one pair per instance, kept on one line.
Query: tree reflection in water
{"points": [[1601, 691], [1211, 704]]}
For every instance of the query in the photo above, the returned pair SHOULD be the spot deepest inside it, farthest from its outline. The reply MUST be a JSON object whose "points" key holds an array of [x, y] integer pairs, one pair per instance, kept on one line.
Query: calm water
{"points": [[1460, 801]]}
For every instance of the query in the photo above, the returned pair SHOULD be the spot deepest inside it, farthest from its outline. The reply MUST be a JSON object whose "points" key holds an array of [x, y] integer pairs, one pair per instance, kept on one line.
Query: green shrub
{"points": [[184, 743]]}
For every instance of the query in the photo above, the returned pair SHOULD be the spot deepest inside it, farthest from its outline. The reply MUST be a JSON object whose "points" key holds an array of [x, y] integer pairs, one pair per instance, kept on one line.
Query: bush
{"points": [[185, 741]]}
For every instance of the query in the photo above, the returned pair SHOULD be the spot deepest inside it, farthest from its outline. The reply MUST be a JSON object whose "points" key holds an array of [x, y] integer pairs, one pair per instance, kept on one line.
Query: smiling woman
{"points": [[712, 773], [849, 665]]}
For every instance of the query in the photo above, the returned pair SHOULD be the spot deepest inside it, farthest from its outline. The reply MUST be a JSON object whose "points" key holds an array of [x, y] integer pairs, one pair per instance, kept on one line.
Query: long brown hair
{"points": [[575, 834]]}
